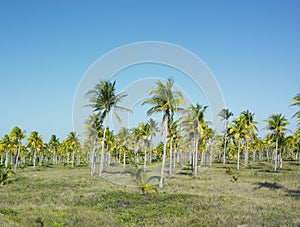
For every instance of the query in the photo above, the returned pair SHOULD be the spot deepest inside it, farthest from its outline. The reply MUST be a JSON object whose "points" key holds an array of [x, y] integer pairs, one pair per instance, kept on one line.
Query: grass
{"points": [[62, 196]]}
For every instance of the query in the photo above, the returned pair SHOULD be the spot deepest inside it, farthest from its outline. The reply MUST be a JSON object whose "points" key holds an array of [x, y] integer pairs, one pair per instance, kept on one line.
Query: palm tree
{"points": [[6, 146], [124, 137], [164, 99], [16, 136], [238, 129], [296, 102], [103, 99], [72, 143], [36, 144], [251, 125], [276, 124], [195, 124], [93, 133], [153, 128], [53, 147], [225, 114]]}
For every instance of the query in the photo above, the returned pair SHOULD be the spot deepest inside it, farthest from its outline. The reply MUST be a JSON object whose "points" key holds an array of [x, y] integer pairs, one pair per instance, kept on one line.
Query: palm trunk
{"points": [[164, 155], [196, 157], [170, 167], [275, 155], [17, 157], [102, 147], [124, 159], [34, 158], [246, 154], [145, 157], [6, 158], [225, 147], [238, 159]]}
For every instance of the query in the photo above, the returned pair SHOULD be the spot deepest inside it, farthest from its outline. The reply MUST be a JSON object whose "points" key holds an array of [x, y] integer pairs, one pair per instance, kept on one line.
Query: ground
{"points": [[64, 196]]}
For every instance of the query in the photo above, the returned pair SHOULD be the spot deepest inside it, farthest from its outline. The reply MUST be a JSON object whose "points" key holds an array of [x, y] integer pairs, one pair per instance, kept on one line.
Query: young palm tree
{"points": [[164, 99], [103, 99], [238, 129], [36, 144], [195, 124], [225, 114], [153, 130], [276, 124], [296, 102], [53, 147], [16, 136], [124, 137], [72, 143], [6, 146], [251, 125]]}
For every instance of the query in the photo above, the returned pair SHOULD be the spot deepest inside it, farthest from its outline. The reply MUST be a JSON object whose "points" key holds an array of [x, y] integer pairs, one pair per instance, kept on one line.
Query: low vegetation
{"points": [[65, 196]]}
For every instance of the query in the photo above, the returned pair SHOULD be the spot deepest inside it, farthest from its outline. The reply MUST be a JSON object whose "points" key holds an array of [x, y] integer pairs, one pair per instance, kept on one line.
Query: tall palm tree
{"points": [[16, 136], [93, 133], [194, 124], [164, 99], [276, 124], [238, 129], [6, 146], [251, 125], [153, 128], [53, 147], [124, 136], [225, 114], [72, 143], [296, 102], [36, 144], [103, 99]]}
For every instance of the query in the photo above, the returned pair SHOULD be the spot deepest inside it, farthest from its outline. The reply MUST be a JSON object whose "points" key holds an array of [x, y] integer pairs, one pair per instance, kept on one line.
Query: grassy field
{"points": [[61, 196]]}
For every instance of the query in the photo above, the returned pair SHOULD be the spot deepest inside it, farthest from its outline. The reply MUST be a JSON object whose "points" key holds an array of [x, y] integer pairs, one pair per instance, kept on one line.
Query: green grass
{"points": [[61, 196]]}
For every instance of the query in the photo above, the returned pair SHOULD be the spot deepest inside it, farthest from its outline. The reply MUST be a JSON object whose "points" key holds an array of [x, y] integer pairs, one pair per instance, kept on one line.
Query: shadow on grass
{"points": [[268, 185], [276, 186]]}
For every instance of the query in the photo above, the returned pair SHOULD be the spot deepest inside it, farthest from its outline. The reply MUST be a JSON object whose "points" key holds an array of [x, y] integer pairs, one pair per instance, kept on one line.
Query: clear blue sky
{"points": [[252, 48]]}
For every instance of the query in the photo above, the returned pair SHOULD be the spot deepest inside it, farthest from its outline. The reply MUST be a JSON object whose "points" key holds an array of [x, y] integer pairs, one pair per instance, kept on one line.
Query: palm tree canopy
{"points": [[296, 102], [164, 99], [238, 128], [225, 114], [276, 124], [103, 99]]}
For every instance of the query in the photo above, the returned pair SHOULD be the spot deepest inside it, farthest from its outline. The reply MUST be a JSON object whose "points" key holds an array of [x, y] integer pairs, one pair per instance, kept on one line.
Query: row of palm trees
{"points": [[190, 133], [35, 151], [187, 138]]}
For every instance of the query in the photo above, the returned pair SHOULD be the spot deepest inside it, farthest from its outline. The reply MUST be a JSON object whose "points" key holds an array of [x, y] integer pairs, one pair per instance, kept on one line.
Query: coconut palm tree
{"points": [[35, 144], [238, 129], [276, 124], [6, 146], [103, 99], [195, 124], [164, 99], [54, 147], [296, 102], [72, 143], [153, 128], [251, 125], [16, 136], [225, 114], [124, 137]]}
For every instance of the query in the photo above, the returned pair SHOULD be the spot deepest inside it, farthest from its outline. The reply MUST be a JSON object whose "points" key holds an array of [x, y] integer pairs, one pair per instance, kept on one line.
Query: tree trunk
{"points": [[102, 147], [246, 154], [170, 164], [196, 157], [17, 157], [145, 157], [238, 159], [6, 158], [275, 155], [164, 155], [280, 160], [124, 159], [225, 147], [34, 158]]}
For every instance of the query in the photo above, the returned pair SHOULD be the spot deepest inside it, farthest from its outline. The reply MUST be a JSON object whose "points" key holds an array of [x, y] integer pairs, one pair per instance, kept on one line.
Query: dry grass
{"points": [[61, 196]]}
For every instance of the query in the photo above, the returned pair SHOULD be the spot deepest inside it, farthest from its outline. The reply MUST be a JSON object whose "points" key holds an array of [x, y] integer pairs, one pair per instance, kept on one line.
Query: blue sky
{"points": [[251, 47]]}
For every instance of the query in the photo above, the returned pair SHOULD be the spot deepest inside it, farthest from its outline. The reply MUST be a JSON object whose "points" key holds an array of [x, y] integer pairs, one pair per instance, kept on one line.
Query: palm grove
{"points": [[187, 138]]}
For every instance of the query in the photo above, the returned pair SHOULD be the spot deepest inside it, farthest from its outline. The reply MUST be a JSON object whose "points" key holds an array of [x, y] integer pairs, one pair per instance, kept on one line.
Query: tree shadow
{"points": [[268, 185], [294, 193]]}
